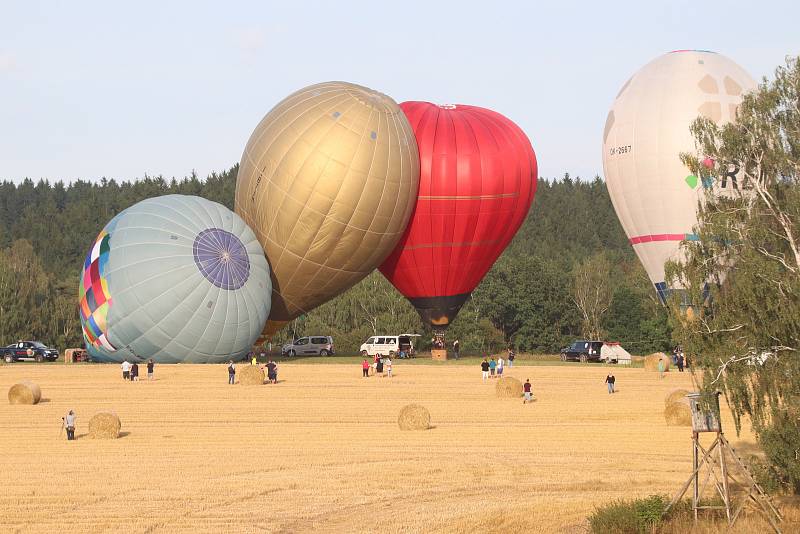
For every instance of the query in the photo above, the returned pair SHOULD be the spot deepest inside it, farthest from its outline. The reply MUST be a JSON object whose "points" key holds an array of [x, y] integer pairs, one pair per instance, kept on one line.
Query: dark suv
{"points": [[28, 350], [583, 351]]}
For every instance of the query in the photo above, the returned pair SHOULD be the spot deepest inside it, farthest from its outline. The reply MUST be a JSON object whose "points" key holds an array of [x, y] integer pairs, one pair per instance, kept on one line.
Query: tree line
{"points": [[527, 300]]}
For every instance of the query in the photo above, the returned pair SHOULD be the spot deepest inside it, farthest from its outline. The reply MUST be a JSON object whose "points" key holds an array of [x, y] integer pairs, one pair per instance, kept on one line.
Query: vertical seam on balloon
{"points": [[324, 265], [430, 289], [287, 195]]}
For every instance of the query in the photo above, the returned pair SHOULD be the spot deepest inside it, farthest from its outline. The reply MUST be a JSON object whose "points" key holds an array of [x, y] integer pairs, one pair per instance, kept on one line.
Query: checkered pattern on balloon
{"points": [[95, 298]]}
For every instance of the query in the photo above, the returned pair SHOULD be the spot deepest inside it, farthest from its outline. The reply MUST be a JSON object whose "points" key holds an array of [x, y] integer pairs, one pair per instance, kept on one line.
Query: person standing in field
{"points": [[150, 366], [680, 361], [254, 360], [272, 372], [492, 366], [231, 372], [389, 366], [610, 382], [511, 357], [69, 425], [500, 364], [661, 367], [365, 368], [527, 388], [485, 368], [126, 370], [135, 372], [456, 348], [379, 364], [375, 363]]}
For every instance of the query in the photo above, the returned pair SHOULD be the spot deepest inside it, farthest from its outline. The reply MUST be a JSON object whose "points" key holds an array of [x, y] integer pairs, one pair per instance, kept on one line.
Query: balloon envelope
{"points": [[653, 192], [177, 279], [327, 181], [477, 181]]}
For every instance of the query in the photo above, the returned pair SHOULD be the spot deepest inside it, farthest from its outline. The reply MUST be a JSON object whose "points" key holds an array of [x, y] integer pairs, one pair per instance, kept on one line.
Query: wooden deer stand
{"points": [[714, 460]]}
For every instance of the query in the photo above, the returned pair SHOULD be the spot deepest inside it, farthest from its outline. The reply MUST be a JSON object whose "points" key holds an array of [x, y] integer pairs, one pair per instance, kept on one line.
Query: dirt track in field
{"points": [[321, 450]]}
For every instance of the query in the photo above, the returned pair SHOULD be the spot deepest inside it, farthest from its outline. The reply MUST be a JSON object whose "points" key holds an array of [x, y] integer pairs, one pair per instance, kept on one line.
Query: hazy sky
{"points": [[120, 89]]}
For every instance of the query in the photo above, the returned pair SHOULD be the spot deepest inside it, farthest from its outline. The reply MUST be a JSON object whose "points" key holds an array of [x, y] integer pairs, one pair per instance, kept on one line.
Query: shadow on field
{"points": [[85, 435]]}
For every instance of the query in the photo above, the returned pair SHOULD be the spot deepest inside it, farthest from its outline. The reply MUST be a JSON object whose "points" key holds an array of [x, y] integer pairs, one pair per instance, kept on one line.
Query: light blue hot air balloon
{"points": [[177, 279]]}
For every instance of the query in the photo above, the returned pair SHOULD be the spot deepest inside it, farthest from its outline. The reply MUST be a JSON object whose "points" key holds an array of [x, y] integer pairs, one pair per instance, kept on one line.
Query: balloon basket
{"points": [[438, 354]]}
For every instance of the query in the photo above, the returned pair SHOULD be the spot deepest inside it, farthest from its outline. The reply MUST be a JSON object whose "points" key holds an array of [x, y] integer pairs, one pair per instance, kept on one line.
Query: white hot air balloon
{"points": [[654, 194]]}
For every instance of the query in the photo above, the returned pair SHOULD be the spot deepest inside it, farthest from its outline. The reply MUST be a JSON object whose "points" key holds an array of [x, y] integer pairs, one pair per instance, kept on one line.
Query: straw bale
{"points": [[104, 425], [508, 387], [414, 417], [678, 414], [24, 393], [679, 395], [250, 375], [651, 361]]}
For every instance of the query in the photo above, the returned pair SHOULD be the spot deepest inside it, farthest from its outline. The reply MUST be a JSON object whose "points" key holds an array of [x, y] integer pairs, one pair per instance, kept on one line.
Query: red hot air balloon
{"points": [[477, 181]]}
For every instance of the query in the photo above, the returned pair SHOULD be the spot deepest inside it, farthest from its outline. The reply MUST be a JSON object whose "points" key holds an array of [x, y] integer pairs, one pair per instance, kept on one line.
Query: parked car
{"points": [[29, 351], [583, 351], [390, 345], [321, 345]]}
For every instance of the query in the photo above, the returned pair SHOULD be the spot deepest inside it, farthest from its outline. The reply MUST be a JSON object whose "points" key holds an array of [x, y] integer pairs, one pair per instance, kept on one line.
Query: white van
{"points": [[389, 345]]}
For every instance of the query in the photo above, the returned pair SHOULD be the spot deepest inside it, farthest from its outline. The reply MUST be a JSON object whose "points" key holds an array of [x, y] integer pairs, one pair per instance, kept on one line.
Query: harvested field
{"points": [[321, 450]]}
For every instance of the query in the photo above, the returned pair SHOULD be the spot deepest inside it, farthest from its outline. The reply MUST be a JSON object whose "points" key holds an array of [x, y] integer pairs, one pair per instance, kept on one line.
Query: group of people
{"points": [[130, 371], [678, 358], [271, 369], [381, 365], [492, 368]]}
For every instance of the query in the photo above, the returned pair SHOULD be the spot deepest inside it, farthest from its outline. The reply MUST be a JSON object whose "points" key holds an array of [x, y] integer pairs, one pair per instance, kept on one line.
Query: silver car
{"points": [[322, 345]]}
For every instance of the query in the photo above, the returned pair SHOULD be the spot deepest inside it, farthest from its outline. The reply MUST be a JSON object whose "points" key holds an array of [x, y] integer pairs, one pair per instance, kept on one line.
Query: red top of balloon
{"points": [[477, 181]]}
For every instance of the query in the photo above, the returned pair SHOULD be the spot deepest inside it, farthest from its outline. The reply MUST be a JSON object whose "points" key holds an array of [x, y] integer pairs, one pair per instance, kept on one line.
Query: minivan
{"points": [[322, 345], [390, 345]]}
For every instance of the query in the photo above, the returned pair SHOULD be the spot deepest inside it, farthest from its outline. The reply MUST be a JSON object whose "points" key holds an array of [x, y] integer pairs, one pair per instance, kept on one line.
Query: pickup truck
{"points": [[28, 351]]}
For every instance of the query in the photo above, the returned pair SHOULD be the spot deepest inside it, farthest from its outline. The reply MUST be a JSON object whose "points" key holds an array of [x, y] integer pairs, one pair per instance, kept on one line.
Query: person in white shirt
{"points": [[388, 365], [500, 364], [69, 424], [126, 370]]}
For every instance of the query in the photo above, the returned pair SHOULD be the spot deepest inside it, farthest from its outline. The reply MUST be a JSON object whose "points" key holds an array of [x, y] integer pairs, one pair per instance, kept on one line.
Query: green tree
{"points": [[743, 276]]}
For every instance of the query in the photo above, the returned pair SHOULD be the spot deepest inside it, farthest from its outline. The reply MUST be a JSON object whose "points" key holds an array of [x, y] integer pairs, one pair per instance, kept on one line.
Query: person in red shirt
{"points": [[526, 388], [365, 368]]}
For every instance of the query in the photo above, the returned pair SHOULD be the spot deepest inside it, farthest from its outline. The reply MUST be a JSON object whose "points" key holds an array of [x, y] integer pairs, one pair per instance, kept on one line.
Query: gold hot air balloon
{"points": [[328, 181]]}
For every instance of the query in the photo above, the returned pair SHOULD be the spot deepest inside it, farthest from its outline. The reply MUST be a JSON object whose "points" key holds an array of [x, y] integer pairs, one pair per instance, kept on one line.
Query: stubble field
{"points": [[321, 450]]}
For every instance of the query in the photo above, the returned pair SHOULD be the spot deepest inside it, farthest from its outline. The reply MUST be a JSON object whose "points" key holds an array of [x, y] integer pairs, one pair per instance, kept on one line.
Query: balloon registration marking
{"points": [[95, 296], [222, 258]]}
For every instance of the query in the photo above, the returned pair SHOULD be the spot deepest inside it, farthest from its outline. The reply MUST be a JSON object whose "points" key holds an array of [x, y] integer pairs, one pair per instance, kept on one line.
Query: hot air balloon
{"points": [[327, 181], [477, 181], [177, 279], [653, 192]]}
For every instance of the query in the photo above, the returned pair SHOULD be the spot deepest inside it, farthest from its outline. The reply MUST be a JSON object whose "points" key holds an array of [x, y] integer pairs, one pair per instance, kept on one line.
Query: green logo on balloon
{"points": [[691, 181]]}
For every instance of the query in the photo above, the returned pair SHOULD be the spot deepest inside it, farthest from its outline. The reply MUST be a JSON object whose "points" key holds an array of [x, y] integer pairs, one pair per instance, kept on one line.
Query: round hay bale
{"points": [[651, 362], [251, 375], [679, 395], [678, 414], [104, 425], [508, 387], [25, 393], [414, 417]]}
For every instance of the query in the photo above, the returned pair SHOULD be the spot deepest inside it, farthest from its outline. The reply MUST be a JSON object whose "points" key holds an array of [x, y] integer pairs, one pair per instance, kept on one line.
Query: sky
{"points": [[123, 89]]}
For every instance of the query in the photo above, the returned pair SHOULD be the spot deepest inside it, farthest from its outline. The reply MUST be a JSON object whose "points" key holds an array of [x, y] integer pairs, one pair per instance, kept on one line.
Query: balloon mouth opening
{"points": [[447, 106], [692, 50]]}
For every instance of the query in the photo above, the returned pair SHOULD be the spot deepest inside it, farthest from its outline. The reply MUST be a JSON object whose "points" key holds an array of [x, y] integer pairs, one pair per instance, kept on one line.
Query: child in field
{"points": [[365, 368], [526, 389], [661, 367], [231, 373], [389, 367], [492, 367], [485, 368]]}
